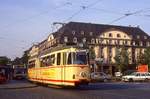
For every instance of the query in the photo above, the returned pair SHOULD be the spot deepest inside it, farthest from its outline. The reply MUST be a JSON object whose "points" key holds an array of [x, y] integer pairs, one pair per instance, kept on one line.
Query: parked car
{"points": [[137, 76], [100, 76], [19, 73]]}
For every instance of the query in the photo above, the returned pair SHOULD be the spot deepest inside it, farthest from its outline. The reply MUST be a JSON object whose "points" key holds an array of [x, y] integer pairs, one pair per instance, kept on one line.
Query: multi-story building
{"points": [[104, 39]]}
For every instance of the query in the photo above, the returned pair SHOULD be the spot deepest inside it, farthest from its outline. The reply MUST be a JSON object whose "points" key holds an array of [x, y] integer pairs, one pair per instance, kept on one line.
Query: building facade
{"points": [[104, 39]]}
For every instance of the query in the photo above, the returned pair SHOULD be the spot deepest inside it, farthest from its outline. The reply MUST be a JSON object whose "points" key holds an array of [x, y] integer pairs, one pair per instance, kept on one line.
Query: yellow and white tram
{"points": [[66, 66]]}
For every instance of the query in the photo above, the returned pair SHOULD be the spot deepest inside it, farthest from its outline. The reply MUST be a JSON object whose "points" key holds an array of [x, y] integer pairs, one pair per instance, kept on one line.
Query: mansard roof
{"points": [[97, 29]]}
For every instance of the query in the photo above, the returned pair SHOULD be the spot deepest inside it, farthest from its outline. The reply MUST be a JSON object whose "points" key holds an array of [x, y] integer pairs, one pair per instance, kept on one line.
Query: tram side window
{"points": [[43, 62], [52, 59], [64, 58], [31, 64], [69, 59], [58, 58], [46, 61]]}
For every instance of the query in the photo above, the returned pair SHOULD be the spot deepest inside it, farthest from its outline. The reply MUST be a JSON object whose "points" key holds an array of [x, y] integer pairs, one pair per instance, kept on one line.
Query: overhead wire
{"points": [[126, 15], [29, 18], [37, 15], [81, 9]]}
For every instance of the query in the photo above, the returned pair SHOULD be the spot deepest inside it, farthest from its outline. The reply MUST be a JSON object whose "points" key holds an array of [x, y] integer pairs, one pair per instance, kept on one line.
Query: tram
{"points": [[66, 66]]}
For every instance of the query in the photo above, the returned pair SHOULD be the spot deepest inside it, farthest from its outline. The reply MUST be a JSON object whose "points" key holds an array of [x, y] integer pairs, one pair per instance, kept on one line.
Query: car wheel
{"points": [[105, 80], [130, 80], [146, 80]]}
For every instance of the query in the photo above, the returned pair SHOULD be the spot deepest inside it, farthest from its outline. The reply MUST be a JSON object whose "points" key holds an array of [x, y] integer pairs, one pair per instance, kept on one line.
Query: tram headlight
{"points": [[83, 74]]}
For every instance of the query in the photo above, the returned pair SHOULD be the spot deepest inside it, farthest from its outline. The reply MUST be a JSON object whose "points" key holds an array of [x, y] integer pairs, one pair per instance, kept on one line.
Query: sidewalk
{"points": [[17, 84]]}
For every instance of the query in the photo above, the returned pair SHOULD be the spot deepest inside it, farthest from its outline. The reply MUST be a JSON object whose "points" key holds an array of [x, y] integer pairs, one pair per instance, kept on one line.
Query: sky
{"points": [[26, 22]]}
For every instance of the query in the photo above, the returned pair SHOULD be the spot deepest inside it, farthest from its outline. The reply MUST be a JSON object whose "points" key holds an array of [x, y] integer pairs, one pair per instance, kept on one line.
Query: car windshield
{"points": [[133, 73]]}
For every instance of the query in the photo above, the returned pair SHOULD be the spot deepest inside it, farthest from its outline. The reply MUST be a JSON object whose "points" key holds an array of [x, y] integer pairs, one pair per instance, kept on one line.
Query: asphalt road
{"points": [[115, 90]]}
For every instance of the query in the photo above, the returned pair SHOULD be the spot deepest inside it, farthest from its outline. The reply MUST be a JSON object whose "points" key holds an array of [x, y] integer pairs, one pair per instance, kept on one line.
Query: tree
{"points": [[17, 61], [91, 53], [21, 61], [4, 60], [25, 57], [146, 56], [140, 58], [121, 59]]}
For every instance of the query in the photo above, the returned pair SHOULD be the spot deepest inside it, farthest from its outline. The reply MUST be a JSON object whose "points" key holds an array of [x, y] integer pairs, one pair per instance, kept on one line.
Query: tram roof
{"points": [[63, 47]]}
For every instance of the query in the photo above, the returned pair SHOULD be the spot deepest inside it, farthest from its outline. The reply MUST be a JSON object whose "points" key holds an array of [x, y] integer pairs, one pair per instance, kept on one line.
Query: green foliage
{"points": [[25, 57], [21, 61], [140, 58], [146, 57], [121, 59], [91, 53], [4, 60]]}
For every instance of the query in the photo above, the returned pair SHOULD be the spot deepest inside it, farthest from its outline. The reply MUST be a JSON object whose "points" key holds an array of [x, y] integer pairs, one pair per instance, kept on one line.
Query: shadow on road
{"points": [[104, 86]]}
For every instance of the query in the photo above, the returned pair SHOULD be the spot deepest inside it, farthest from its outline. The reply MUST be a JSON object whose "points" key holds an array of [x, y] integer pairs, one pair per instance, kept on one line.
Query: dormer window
{"points": [[75, 40], [73, 32], [138, 36], [131, 36], [93, 41], [65, 39], [91, 33], [84, 40], [145, 37], [82, 32]]}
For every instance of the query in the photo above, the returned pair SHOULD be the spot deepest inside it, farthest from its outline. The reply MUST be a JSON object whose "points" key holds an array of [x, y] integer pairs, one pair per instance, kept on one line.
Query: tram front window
{"points": [[79, 58]]}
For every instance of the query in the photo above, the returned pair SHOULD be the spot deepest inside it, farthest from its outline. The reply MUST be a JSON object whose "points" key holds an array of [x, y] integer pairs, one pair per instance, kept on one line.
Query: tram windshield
{"points": [[78, 58]]}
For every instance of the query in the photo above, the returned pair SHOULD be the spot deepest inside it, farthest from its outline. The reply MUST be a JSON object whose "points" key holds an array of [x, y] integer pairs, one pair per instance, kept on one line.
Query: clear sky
{"points": [[24, 22]]}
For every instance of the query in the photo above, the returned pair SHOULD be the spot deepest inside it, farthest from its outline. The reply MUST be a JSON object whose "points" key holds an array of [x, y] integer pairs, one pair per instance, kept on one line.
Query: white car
{"points": [[137, 76], [100, 76]]}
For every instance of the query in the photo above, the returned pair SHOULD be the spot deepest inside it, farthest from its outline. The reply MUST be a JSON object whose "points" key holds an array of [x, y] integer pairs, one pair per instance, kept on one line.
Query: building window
{"points": [[138, 36], [58, 58], [103, 35], [110, 53], [124, 42], [141, 43], [145, 37], [75, 40], [91, 33], [73, 32], [110, 41], [110, 34], [82, 32], [133, 43], [97, 41], [129, 42], [65, 39], [84, 40], [118, 35], [101, 52], [148, 43], [118, 42], [131, 36], [92, 41]]}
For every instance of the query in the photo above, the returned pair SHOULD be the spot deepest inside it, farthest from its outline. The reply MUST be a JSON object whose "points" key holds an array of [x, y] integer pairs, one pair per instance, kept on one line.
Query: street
{"points": [[115, 90]]}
